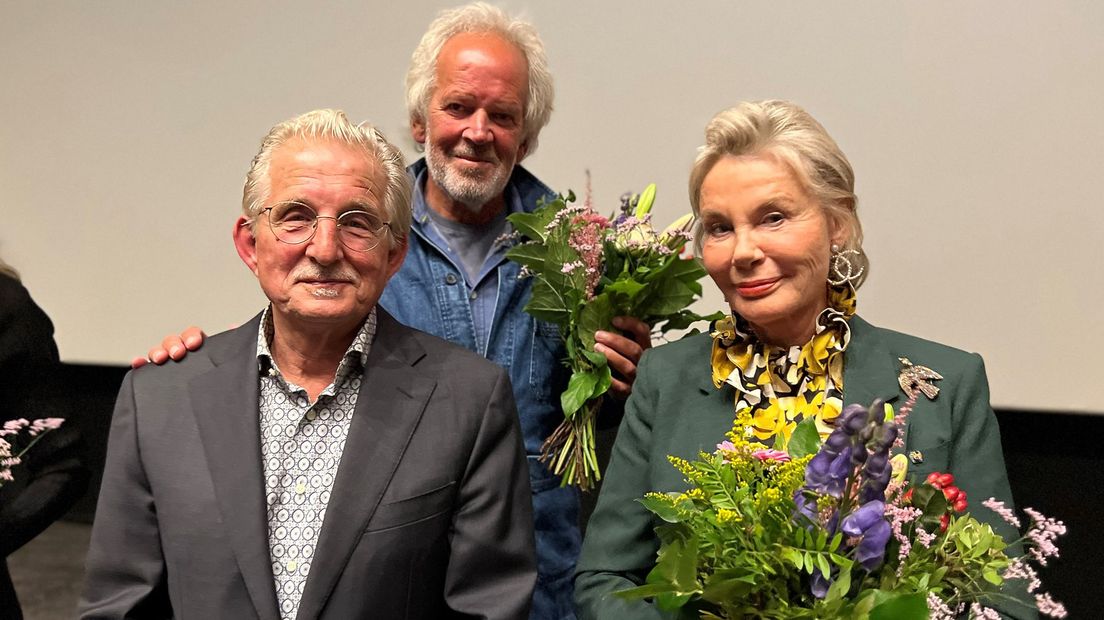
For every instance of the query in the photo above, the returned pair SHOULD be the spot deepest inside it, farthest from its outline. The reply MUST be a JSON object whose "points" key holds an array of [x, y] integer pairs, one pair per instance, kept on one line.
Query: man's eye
{"points": [[774, 218], [360, 223]]}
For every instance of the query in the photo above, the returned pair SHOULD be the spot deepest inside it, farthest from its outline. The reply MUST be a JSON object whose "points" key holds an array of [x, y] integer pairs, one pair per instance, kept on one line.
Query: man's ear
{"points": [[395, 256], [418, 130], [523, 150], [246, 243]]}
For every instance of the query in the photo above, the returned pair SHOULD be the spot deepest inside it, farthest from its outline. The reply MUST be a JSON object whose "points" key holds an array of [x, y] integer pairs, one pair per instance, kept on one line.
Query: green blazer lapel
{"points": [[225, 405], [869, 367], [392, 398]]}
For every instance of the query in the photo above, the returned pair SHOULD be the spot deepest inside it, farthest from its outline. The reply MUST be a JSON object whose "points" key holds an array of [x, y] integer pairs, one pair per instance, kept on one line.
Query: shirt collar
{"points": [[356, 354]]}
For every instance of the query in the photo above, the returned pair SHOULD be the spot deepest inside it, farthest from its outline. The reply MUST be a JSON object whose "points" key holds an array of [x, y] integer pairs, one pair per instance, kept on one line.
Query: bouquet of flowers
{"points": [[588, 269], [832, 531], [9, 456]]}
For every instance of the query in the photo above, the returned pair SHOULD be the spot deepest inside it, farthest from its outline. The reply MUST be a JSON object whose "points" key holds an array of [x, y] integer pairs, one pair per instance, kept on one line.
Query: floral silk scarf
{"points": [[777, 388]]}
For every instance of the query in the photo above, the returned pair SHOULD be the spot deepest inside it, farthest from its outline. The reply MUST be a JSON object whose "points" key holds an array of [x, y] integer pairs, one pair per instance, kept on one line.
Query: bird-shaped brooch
{"points": [[915, 378]]}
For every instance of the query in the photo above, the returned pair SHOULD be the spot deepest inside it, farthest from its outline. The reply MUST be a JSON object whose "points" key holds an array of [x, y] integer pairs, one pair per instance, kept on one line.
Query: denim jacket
{"points": [[428, 293]]}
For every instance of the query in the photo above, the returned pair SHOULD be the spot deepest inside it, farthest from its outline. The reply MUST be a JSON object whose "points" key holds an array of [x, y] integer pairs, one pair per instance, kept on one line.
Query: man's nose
{"points": [[479, 128], [325, 246]]}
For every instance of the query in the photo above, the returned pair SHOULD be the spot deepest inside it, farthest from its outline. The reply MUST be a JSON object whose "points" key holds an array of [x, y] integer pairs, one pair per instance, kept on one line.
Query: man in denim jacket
{"points": [[478, 94]]}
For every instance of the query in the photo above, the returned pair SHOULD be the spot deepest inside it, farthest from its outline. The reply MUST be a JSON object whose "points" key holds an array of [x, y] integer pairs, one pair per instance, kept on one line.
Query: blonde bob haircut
{"points": [[333, 125], [482, 18], [783, 130]]}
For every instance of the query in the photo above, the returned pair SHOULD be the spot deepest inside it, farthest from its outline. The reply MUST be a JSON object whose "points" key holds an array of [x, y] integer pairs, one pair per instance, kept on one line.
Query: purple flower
{"points": [[827, 472], [806, 506], [819, 584], [870, 523]]}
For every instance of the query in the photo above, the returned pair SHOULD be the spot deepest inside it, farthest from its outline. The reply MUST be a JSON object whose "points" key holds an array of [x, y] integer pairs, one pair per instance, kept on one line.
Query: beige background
{"points": [[975, 129]]}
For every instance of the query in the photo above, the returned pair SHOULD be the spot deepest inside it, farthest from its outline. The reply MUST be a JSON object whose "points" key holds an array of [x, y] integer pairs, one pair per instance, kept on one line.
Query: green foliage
{"points": [[730, 547]]}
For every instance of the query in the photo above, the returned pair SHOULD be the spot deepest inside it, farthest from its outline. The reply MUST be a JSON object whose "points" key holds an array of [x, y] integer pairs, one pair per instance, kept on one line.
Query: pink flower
{"points": [[45, 424], [983, 613], [1049, 606], [726, 446], [1004, 512], [771, 455]]}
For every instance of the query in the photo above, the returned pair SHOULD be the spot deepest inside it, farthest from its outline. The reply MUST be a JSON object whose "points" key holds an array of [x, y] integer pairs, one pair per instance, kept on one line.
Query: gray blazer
{"points": [[429, 517]]}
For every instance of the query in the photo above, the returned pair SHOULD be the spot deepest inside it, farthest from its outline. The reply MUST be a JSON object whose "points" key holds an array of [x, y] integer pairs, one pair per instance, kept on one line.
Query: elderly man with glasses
{"points": [[323, 460]]}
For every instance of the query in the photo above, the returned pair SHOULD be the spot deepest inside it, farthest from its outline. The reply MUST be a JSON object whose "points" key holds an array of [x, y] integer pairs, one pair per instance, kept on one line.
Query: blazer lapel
{"points": [[869, 368], [389, 405], [225, 403]]}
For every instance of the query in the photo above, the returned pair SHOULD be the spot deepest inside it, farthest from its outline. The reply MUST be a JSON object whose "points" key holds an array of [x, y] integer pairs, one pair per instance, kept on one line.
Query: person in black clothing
{"points": [[51, 477]]}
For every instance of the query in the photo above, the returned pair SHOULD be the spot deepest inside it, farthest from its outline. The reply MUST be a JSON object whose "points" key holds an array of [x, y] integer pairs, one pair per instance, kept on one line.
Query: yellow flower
{"points": [[772, 494], [725, 515]]}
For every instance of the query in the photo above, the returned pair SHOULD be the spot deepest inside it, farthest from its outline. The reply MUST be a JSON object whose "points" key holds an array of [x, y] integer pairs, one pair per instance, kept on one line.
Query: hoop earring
{"points": [[842, 268]]}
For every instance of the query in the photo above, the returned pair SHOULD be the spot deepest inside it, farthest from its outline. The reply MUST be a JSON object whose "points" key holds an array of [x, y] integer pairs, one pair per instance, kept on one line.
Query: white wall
{"points": [[975, 129]]}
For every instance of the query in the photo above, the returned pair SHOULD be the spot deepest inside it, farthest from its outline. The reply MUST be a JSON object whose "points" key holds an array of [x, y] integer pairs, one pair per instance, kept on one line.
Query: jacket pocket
{"points": [[412, 509]]}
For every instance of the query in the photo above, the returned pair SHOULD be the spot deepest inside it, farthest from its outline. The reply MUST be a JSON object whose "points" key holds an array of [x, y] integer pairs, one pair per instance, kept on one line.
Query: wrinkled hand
{"points": [[623, 352], [173, 347]]}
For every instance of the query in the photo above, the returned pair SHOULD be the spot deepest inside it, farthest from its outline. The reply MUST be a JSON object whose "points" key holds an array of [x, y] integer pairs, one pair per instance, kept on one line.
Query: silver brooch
{"points": [[915, 378]]}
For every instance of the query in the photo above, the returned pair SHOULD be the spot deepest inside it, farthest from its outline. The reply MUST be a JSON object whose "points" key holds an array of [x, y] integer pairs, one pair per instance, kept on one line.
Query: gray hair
{"points": [[334, 125], [480, 17], [784, 130]]}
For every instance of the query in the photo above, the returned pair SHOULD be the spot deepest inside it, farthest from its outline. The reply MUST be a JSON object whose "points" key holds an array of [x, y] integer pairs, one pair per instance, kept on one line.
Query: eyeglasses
{"points": [[294, 223]]}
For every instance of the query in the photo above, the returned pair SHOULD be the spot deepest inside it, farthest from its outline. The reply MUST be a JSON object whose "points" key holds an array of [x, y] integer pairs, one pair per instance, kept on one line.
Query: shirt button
{"points": [[312, 415], [473, 295], [450, 278], [300, 488], [292, 565]]}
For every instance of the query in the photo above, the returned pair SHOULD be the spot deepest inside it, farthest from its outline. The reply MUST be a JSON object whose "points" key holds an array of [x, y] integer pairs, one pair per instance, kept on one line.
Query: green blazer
{"points": [[676, 410]]}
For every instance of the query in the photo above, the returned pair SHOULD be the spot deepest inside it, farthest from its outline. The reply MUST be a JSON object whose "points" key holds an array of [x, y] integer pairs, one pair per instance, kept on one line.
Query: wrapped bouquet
{"points": [[588, 269]]}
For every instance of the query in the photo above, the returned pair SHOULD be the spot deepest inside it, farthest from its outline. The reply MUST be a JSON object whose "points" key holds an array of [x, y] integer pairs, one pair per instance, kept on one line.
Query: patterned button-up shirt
{"points": [[301, 444]]}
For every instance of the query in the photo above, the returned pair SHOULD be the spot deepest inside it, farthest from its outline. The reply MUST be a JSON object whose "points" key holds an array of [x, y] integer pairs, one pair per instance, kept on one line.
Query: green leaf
{"points": [[580, 388], [664, 297], [530, 255], [822, 564], [547, 304], [629, 288], [901, 607], [596, 314], [805, 439], [840, 587], [676, 566], [531, 225], [662, 508]]}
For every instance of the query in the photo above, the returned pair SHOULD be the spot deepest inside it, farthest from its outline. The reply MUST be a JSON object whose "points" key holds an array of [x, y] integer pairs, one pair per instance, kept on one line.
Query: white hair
{"points": [[334, 125], [786, 131], [480, 17]]}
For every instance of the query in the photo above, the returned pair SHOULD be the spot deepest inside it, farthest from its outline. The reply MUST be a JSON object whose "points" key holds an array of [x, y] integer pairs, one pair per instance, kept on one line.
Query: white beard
{"points": [[473, 190]]}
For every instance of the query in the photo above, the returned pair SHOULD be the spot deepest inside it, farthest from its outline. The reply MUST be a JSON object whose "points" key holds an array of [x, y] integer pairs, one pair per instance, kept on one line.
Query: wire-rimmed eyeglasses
{"points": [[294, 223]]}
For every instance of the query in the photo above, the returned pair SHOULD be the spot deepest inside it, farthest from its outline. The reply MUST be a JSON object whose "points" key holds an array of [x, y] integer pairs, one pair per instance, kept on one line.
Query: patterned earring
{"points": [[842, 267]]}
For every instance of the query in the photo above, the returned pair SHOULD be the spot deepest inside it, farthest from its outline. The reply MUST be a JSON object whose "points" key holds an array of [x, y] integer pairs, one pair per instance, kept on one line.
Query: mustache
{"points": [[316, 272], [471, 152]]}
